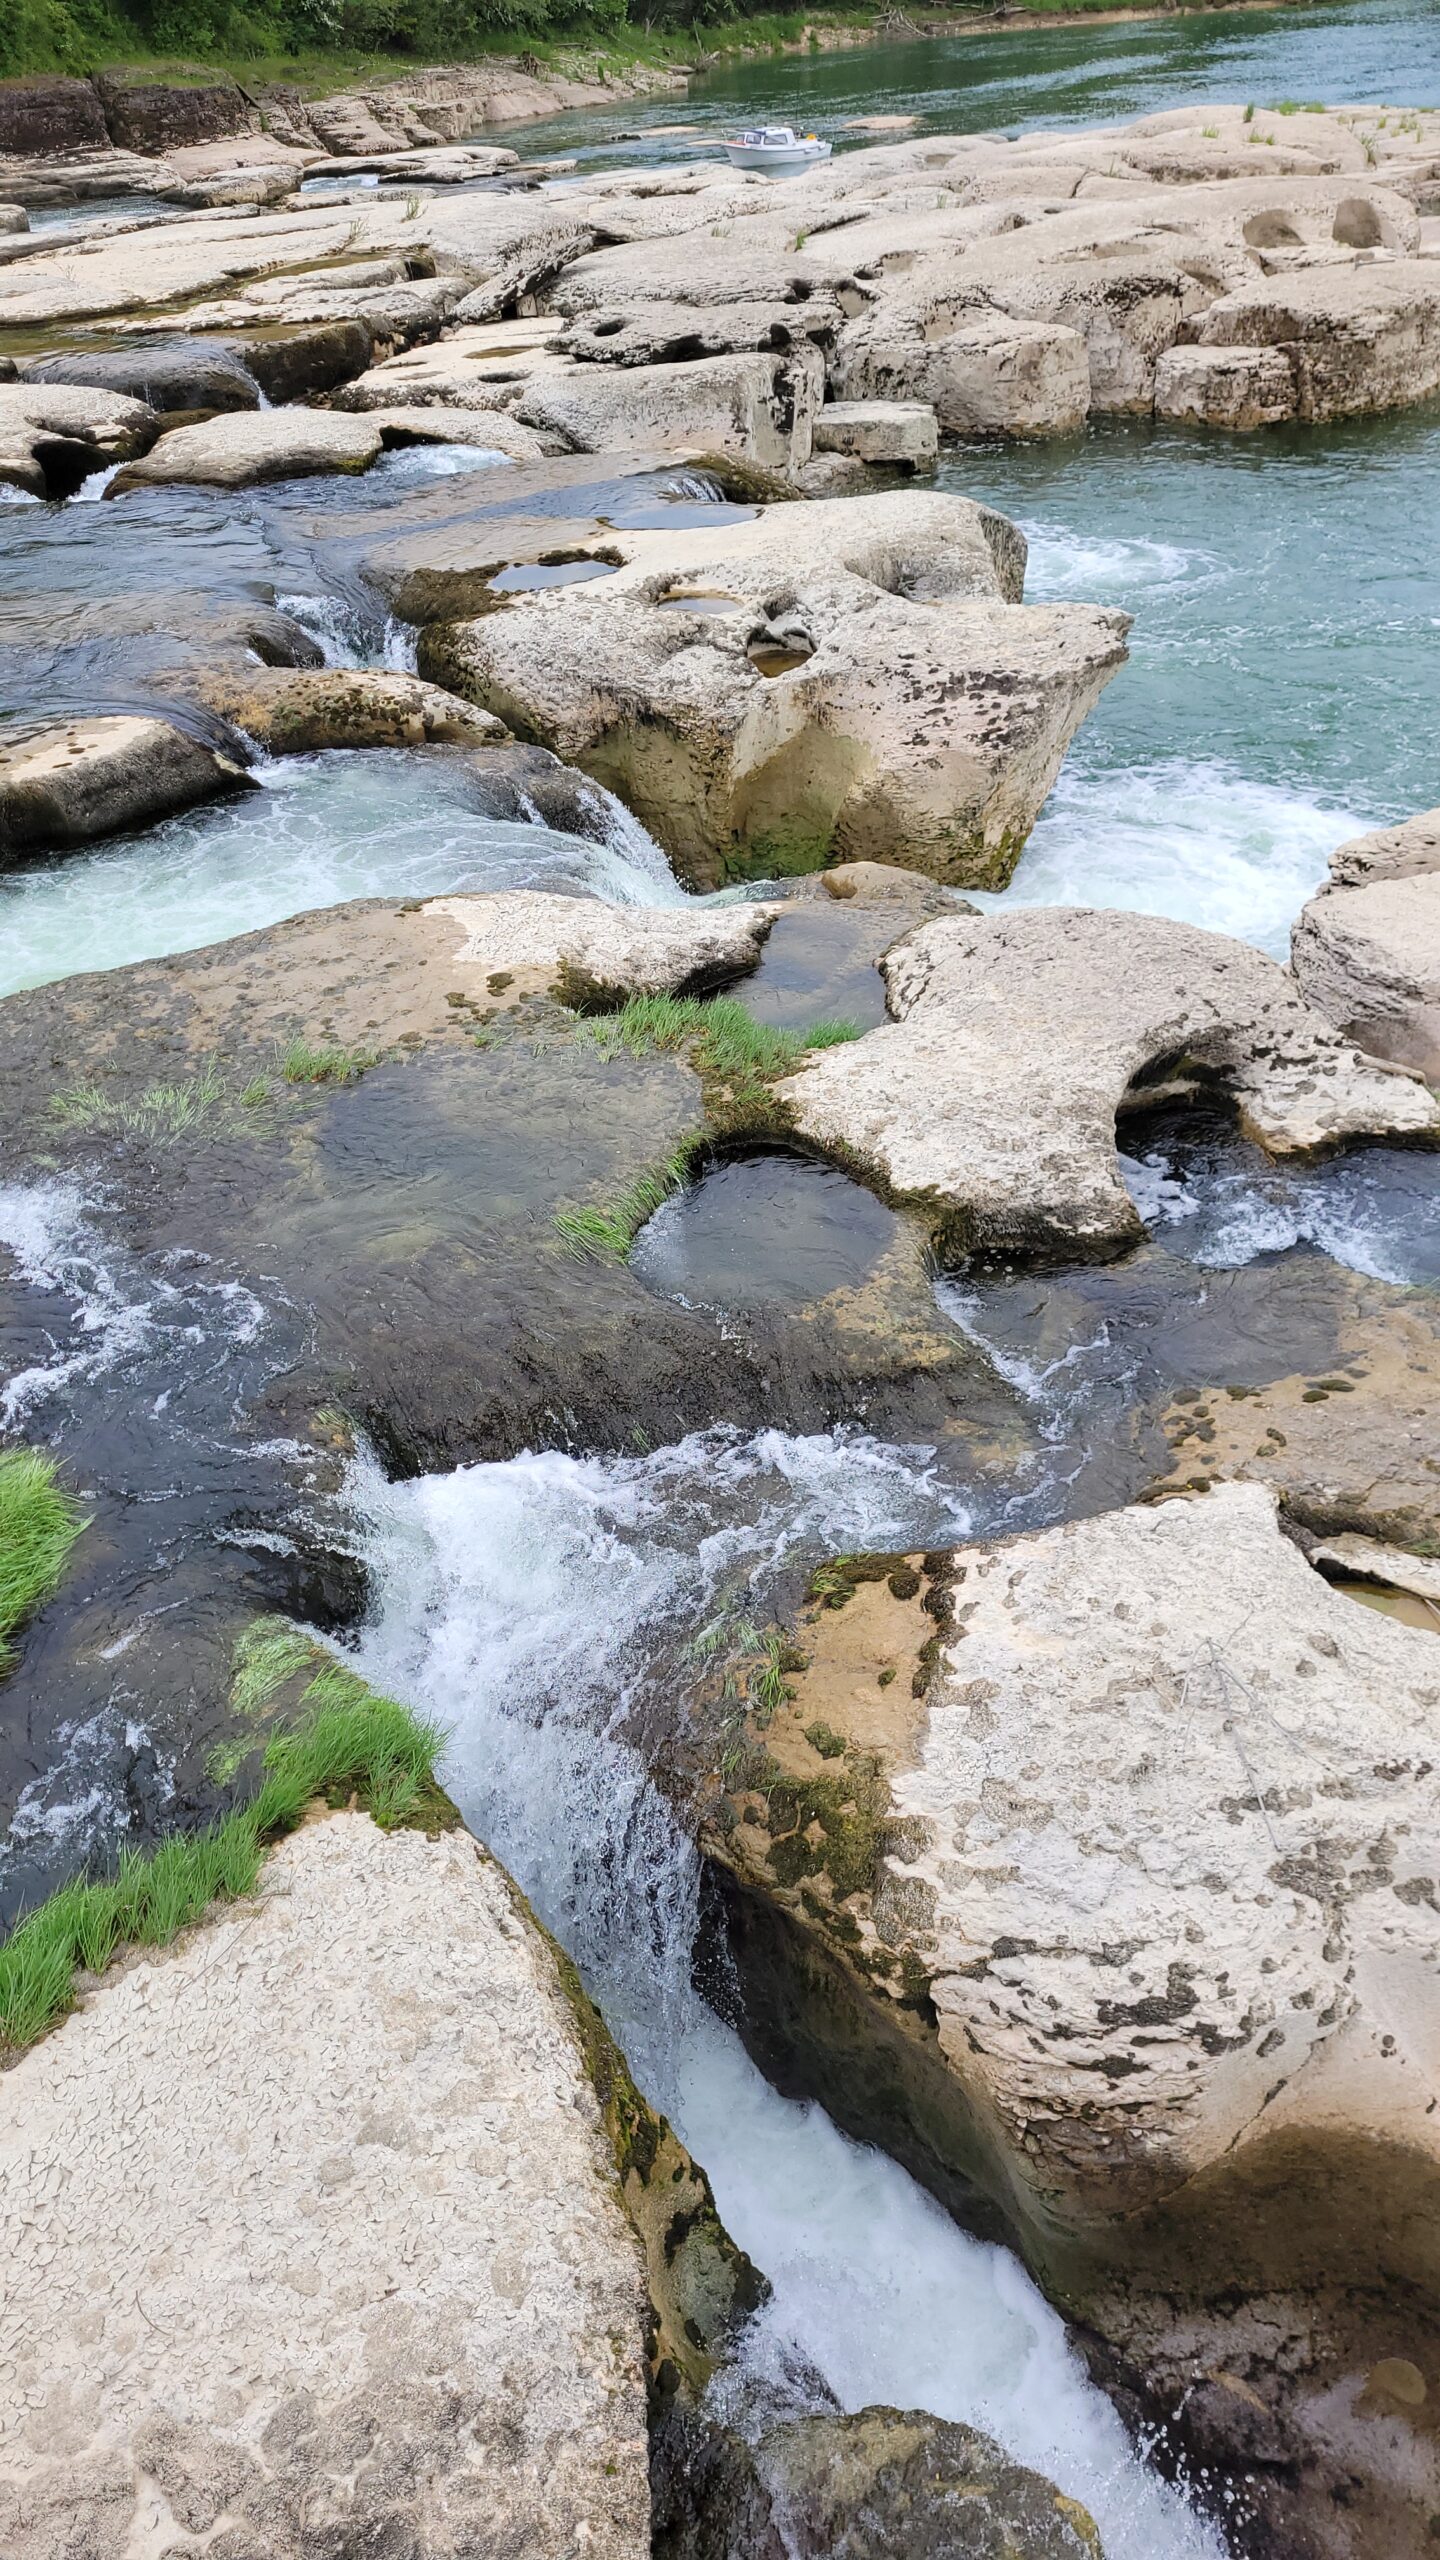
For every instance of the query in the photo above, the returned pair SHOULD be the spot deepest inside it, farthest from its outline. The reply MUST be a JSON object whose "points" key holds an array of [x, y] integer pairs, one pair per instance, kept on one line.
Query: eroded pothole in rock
{"points": [[763, 1229]]}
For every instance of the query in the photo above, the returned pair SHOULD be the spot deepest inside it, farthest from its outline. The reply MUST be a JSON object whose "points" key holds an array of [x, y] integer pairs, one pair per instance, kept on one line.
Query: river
{"points": [[1284, 635]]}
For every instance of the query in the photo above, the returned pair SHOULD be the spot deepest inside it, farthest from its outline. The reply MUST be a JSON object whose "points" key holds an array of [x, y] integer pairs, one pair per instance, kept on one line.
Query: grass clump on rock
{"points": [[348, 1745], [722, 1040], [39, 1524], [300, 1063], [736, 1059]]}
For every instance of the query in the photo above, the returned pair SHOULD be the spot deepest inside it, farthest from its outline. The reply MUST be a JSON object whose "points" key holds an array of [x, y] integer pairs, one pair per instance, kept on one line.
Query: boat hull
{"points": [[778, 161]]}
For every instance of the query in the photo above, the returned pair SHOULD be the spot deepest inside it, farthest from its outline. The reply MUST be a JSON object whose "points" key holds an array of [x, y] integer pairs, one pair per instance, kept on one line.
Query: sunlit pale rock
{"points": [[77, 779], [992, 1098], [341, 2152], [1366, 950], [846, 679], [1097, 1867]]}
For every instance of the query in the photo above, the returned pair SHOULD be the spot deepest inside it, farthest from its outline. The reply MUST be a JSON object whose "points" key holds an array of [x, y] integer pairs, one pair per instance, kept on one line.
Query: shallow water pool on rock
{"points": [[764, 1229]]}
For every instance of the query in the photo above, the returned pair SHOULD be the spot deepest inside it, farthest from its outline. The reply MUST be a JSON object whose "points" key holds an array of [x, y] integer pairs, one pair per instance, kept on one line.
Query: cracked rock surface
{"points": [[1119, 1903]]}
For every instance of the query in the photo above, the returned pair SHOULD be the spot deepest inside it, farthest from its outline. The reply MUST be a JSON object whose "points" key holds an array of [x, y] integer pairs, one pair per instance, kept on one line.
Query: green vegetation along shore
{"points": [[320, 45], [39, 1524]]}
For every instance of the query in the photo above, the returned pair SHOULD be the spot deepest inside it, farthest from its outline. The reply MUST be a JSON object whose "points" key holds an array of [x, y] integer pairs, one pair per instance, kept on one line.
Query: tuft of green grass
{"points": [[161, 1112], [39, 1524], [735, 1058], [301, 1064], [768, 1691], [720, 1037], [606, 1234], [347, 1744], [1249, 115]]}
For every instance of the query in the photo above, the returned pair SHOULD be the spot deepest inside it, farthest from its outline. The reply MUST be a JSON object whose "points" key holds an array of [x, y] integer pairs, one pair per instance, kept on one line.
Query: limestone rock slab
{"points": [[1369, 960], [1388, 853], [760, 406], [581, 946], [993, 1096], [67, 426], [1115, 1913], [81, 778], [297, 710], [1233, 387], [254, 445], [845, 679], [1361, 338], [878, 430], [312, 2226]]}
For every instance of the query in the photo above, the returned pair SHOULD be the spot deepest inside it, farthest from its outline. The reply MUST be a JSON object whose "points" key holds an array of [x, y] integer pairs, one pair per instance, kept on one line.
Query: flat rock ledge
{"points": [[583, 950], [1094, 1871], [992, 1099], [853, 678], [1366, 949], [312, 2225], [65, 785], [252, 445]]}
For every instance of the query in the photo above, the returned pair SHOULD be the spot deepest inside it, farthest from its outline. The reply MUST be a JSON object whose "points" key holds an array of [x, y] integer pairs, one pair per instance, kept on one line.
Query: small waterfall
{"points": [[537, 1608]]}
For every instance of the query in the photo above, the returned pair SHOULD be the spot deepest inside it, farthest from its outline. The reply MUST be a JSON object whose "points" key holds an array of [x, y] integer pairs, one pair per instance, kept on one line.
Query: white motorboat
{"points": [[777, 148]]}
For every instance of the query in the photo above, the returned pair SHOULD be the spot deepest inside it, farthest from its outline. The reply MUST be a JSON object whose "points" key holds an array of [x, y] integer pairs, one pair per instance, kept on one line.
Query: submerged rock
{"points": [[992, 1098], [81, 778], [852, 678], [1091, 1872], [1348, 1442]]}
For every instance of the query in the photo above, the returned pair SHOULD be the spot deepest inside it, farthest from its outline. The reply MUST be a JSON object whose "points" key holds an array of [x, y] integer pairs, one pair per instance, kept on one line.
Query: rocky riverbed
{"points": [[895, 1441]]}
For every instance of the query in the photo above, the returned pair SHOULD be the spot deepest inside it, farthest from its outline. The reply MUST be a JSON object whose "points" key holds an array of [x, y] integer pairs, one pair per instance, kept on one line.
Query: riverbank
{"points": [[608, 57]]}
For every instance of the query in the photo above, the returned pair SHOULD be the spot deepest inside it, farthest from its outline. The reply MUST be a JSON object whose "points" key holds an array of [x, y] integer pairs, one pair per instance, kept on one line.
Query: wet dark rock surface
{"points": [[257, 1268]]}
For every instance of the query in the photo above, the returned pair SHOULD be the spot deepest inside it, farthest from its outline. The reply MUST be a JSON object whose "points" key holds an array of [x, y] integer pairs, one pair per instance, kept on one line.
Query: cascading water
{"points": [[531, 1606], [361, 823]]}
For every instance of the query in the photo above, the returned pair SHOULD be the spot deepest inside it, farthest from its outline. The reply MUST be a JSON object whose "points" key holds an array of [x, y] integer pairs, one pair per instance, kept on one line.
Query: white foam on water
{"points": [[1198, 842], [1063, 563], [122, 1308], [364, 823], [522, 1605], [348, 636], [1377, 1211], [407, 466], [10, 496], [45, 1227], [95, 484]]}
